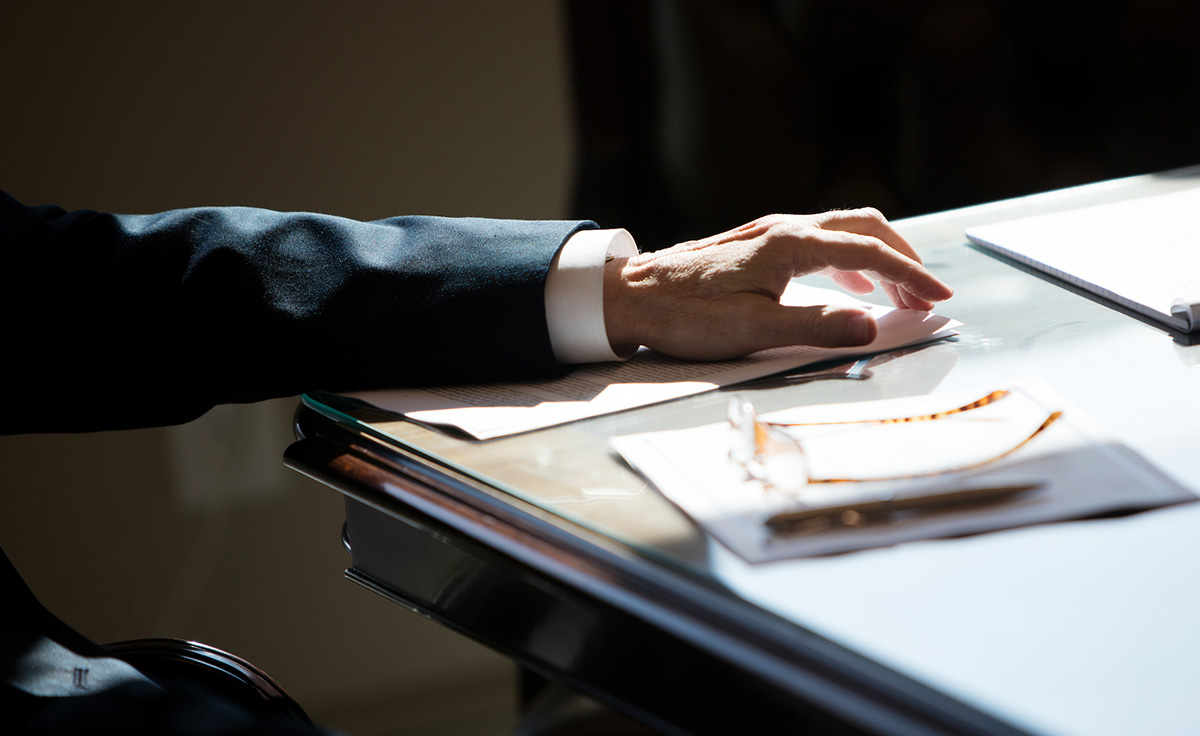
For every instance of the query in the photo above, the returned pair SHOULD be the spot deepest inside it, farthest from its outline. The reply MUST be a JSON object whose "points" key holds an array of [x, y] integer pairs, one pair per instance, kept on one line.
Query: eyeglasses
{"points": [[772, 453]]}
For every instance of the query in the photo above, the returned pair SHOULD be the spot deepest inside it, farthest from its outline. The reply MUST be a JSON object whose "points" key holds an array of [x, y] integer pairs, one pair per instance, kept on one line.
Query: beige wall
{"points": [[451, 107]]}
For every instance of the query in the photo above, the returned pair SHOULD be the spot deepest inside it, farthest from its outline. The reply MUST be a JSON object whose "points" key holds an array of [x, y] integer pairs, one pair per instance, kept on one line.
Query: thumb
{"points": [[829, 327]]}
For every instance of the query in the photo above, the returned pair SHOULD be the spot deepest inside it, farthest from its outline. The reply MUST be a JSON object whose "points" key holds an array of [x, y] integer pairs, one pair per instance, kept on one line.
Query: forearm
{"points": [[160, 317]]}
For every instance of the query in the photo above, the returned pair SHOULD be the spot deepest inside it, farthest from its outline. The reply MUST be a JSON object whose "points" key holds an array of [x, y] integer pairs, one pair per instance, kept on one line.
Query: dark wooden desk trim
{"points": [[555, 598]]}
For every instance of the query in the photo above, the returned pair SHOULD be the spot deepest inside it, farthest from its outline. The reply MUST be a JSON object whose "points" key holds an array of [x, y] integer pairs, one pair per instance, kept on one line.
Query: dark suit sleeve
{"points": [[139, 320]]}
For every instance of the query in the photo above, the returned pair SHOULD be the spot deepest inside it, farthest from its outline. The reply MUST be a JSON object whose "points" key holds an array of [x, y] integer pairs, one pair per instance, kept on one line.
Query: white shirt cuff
{"points": [[575, 295]]}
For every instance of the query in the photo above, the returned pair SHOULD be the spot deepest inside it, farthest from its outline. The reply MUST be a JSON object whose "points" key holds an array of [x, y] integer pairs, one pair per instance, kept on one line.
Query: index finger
{"points": [[867, 221], [847, 251]]}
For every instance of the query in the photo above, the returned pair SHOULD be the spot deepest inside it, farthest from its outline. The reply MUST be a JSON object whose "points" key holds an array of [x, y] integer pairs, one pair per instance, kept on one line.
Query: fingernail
{"points": [[860, 329]]}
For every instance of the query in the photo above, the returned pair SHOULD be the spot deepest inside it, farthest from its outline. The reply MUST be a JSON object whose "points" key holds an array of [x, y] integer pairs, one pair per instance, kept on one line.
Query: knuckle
{"points": [[871, 213], [786, 226], [772, 223], [767, 230]]}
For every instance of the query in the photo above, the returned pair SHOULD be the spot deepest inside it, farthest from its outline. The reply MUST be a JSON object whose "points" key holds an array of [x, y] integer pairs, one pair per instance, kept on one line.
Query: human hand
{"points": [[718, 298]]}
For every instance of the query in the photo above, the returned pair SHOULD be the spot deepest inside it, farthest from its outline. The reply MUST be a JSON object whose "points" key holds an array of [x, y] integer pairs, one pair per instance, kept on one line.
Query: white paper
{"points": [[1142, 253], [487, 411]]}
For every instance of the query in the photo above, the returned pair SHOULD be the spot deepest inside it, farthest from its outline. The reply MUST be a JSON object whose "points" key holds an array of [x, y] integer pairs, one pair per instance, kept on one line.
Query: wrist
{"points": [[621, 314]]}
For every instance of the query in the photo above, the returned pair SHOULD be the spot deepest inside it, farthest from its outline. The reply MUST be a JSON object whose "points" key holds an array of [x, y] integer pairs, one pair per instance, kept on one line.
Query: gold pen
{"points": [[863, 512]]}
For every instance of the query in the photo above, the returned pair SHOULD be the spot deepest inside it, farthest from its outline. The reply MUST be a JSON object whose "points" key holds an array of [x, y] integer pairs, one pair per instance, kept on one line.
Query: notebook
{"points": [[1143, 254]]}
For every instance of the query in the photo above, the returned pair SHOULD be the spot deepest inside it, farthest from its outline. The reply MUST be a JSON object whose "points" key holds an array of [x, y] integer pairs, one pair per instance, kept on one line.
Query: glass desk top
{"points": [[1073, 628]]}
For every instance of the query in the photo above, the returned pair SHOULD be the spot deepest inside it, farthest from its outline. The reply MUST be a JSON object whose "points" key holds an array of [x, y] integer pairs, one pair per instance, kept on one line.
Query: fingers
{"points": [[871, 223], [855, 282], [730, 331], [904, 299], [866, 221], [852, 246], [849, 252], [827, 327]]}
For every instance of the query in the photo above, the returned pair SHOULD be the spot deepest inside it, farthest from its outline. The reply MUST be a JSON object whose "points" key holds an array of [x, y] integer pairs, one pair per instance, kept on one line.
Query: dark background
{"points": [[707, 113]]}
